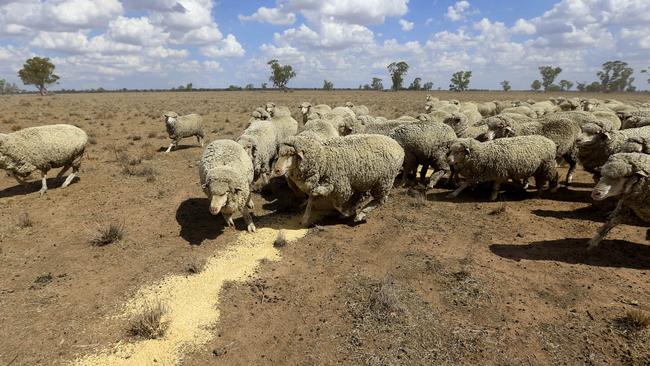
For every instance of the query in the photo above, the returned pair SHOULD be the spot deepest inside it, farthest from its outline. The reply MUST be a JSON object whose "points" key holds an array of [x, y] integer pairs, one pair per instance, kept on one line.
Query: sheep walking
{"points": [[342, 170], [180, 127], [226, 173], [43, 148], [502, 159], [625, 175]]}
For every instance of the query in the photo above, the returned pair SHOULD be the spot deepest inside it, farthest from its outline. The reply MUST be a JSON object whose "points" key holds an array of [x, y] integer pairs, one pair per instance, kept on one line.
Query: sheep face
{"points": [[458, 152], [304, 108], [591, 134], [428, 107], [170, 117], [499, 129], [270, 107], [287, 157], [219, 189], [249, 143], [349, 104], [261, 114], [617, 178]]}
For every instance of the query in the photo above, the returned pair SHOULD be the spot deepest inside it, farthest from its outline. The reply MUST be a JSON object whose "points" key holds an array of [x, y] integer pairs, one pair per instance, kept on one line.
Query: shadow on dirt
{"points": [[34, 186], [610, 253], [177, 148]]}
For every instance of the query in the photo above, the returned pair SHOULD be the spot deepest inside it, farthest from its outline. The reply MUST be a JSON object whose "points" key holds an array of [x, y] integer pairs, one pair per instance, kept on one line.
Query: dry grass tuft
{"points": [[149, 323], [499, 210], [637, 318], [108, 235], [194, 267], [280, 239], [24, 221]]}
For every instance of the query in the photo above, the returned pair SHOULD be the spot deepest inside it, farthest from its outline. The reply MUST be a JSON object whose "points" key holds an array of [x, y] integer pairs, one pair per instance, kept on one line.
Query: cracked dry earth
{"points": [[427, 280]]}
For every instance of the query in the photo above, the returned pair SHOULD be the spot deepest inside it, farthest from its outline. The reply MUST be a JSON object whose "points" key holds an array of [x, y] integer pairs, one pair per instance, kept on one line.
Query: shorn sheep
{"points": [[226, 173], [43, 148], [180, 127], [625, 175], [499, 160], [343, 170]]}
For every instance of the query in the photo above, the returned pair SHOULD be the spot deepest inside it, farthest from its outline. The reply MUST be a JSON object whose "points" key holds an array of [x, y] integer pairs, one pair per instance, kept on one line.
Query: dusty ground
{"points": [[426, 280]]}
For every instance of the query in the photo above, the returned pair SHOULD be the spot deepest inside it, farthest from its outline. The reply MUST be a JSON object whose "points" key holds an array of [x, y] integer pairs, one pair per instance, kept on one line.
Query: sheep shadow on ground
{"points": [[610, 253], [481, 193], [177, 148], [35, 186], [597, 212]]}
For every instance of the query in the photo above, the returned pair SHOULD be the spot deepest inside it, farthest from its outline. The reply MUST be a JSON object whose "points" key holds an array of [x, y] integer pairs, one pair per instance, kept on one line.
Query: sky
{"points": [[145, 44]]}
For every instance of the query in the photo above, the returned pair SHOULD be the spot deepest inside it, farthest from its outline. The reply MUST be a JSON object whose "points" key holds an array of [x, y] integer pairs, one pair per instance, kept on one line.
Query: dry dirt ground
{"points": [[427, 280]]}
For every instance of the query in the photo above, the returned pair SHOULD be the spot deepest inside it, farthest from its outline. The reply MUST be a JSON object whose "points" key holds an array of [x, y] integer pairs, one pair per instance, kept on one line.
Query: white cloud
{"points": [[81, 13], [228, 47], [406, 25], [275, 16], [523, 26], [136, 31], [457, 11]]}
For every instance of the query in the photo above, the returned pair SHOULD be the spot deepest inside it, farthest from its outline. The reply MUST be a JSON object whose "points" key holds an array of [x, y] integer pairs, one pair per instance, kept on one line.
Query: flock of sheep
{"points": [[345, 159]]}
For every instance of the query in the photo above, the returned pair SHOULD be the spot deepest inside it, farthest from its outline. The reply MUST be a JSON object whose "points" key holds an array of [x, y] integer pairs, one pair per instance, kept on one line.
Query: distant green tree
{"points": [[554, 88], [536, 85], [428, 85], [416, 84], [377, 84], [366, 87], [264, 85], [616, 76], [249, 87], [565, 85], [280, 74], [581, 86], [594, 87], [397, 72], [505, 85], [38, 71], [328, 85], [549, 73], [188, 87], [460, 81], [233, 88], [646, 71]]}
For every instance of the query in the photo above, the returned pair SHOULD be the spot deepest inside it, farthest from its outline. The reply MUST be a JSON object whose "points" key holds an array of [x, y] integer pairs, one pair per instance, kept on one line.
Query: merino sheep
{"points": [[180, 127], [319, 129], [599, 140], [306, 109], [342, 170], [433, 116], [463, 128], [359, 110], [562, 132], [43, 148], [636, 144], [625, 175], [226, 173], [634, 119], [523, 110], [499, 160], [424, 144], [487, 109], [259, 141], [277, 111]]}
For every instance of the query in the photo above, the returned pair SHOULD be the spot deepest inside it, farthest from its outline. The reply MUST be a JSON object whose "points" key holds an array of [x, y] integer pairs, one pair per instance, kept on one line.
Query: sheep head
{"points": [[618, 176], [459, 151], [219, 186], [498, 128], [304, 108], [593, 133], [270, 107], [249, 143], [170, 117], [636, 144], [261, 114]]}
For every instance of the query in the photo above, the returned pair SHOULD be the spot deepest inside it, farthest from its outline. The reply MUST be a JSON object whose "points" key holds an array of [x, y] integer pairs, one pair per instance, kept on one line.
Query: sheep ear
{"points": [[300, 154], [642, 173], [467, 151], [607, 135]]}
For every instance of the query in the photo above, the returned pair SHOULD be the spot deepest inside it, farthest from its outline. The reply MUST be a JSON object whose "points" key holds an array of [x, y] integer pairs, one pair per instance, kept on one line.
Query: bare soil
{"points": [[427, 280]]}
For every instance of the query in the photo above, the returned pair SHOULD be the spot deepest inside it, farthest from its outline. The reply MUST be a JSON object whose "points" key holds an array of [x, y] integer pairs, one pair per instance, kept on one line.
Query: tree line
{"points": [[615, 76]]}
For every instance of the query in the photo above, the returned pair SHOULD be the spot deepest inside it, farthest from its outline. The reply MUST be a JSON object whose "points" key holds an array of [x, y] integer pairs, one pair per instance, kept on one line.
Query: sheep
{"points": [[625, 175], [502, 159], [259, 114], [433, 116], [634, 119], [463, 128], [340, 120], [487, 109], [371, 126], [342, 170], [599, 140], [276, 111], [563, 132], [306, 109], [226, 174], [610, 116], [523, 110], [180, 127], [359, 110], [259, 141], [589, 105], [544, 107], [285, 126], [424, 144], [570, 104], [43, 148], [580, 117], [636, 144], [319, 129]]}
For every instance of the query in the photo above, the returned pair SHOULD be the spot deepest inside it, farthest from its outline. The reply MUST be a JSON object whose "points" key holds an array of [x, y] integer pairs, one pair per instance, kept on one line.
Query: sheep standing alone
{"points": [[180, 127], [424, 144], [43, 148], [599, 141], [226, 173], [499, 160], [626, 175], [342, 170]]}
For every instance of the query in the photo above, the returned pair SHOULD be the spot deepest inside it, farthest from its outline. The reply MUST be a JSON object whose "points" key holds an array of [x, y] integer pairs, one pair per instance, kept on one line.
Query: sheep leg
{"points": [[63, 171], [371, 206], [572, 168], [250, 226], [228, 218], [617, 217], [43, 183], [462, 187], [18, 179], [495, 190], [306, 217], [250, 203], [174, 144], [199, 139], [322, 190], [435, 177], [410, 166], [423, 172], [69, 179]]}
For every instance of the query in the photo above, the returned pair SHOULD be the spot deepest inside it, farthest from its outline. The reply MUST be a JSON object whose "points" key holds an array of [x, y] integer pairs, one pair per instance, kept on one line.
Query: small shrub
{"points": [[280, 239], [637, 318], [24, 221], [194, 267], [16, 128], [152, 135], [150, 324], [92, 141], [499, 210], [108, 235]]}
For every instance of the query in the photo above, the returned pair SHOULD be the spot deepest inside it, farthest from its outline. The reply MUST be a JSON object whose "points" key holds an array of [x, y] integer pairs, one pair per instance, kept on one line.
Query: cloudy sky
{"points": [[165, 43]]}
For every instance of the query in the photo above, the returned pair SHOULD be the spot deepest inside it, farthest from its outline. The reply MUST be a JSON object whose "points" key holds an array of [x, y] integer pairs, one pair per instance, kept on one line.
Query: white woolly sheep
{"points": [[625, 175], [499, 160], [463, 128], [277, 111], [636, 144], [359, 110], [259, 141], [306, 109], [180, 127], [43, 148], [226, 173], [343, 170]]}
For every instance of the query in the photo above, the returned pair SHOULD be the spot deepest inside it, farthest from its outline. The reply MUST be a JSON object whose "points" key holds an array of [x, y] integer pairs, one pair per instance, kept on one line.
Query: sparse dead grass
{"points": [[24, 221], [280, 240], [108, 234], [637, 319], [499, 210], [149, 324]]}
